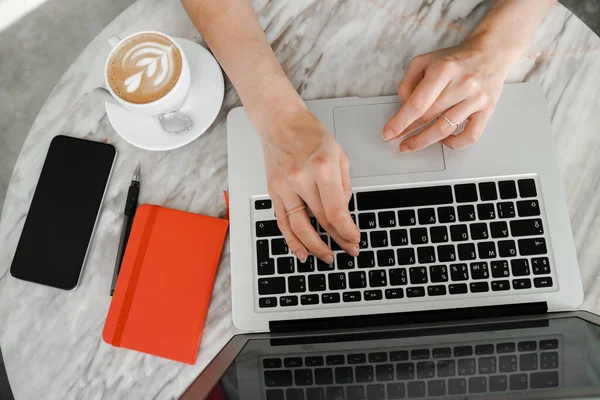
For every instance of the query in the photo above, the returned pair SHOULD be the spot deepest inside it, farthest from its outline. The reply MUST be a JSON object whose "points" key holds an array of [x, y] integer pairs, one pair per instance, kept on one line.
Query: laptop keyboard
{"points": [[414, 372], [477, 238]]}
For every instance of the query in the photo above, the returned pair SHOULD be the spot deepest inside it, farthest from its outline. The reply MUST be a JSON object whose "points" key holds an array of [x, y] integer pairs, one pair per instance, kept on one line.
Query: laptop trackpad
{"points": [[358, 130]]}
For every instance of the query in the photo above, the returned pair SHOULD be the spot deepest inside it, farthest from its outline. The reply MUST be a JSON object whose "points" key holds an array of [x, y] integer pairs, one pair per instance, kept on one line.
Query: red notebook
{"points": [[165, 284]]}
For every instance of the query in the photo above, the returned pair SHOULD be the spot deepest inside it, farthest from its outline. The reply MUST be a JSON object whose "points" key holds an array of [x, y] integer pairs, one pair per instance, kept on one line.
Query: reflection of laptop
{"points": [[545, 356], [441, 229]]}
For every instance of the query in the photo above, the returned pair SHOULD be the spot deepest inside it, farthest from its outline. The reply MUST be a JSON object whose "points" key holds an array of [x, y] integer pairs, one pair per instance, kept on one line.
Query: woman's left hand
{"points": [[461, 83]]}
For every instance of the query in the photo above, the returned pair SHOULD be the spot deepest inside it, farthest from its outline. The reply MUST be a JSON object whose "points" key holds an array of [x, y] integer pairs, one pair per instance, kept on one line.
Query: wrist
{"points": [[496, 47]]}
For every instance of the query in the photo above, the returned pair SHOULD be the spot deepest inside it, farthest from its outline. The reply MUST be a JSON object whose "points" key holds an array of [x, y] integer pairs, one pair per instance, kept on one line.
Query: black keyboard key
{"points": [[507, 248], [296, 284], [438, 234], [316, 283], [379, 239], [279, 247], [324, 376], [518, 382], [267, 302], [505, 348], [543, 380], [466, 366], [272, 363], [303, 377], [399, 355], [415, 389], [323, 266], [405, 256], [399, 237], [530, 345], [436, 388], [426, 216], [508, 189], [479, 287], [418, 275], [466, 193], [442, 352], [500, 269], [506, 209], [532, 247], [446, 368], [407, 218], [285, 265], [418, 236], [528, 362], [527, 188], [486, 211], [309, 299], [446, 214], [307, 266], [425, 369], [466, 251], [458, 233], [487, 365], [387, 219], [336, 359], [351, 297], [267, 229], [548, 344], [457, 288], [344, 375], [364, 373], [487, 191], [313, 361], [419, 354], [367, 221], [463, 351], [521, 284], [507, 363], [335, 393], [398, 277], [436, 290], [357, 280], [360, 358], [415, 291], [354, 393], [498, 383], [500, 285], [405, 371], [477, 384], [520, 267], [528, 208], [483, 349], [403, 198], [266, 267], [479, 231], [459, 272], [345, 261], [479, 270], [262, 204], [396, 390], [466, 213], [486, 250], [262, 250], [386, 258], [292, 362], [457, 386], [337, 281], [394, 293], [548, 360], [366, 259], [351, 205], [446, 253], [375, 392], [316, 393], [373, 295], [540, 265], [278, 378], [288, 301], [499, 229], [335, 246], [294, 394], [271, 286], [426, 254], [542, 282], [377, 278], [384, 372], [526, 227], [364, 241], [438, 273], [328, 298]]}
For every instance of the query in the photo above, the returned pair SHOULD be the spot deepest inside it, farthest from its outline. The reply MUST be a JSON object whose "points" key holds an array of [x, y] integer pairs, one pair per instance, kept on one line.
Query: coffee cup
{"points": [[146, 72]]}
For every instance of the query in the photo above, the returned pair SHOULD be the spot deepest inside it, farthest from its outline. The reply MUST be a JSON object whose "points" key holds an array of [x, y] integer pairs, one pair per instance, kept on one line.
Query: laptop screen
{"points": [[534, 358]]}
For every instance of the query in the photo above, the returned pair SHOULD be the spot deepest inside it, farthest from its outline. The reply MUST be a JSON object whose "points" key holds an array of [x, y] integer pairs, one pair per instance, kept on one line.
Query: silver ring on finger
{"points": [[452, 124]]}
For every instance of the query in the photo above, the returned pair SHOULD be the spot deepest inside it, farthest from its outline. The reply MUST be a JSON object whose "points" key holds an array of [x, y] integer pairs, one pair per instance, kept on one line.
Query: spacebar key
{"points": [[398, 198]]}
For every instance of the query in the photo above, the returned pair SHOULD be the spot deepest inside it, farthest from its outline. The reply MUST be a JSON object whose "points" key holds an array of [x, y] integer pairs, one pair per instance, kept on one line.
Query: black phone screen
{"points": [[63, 213]]}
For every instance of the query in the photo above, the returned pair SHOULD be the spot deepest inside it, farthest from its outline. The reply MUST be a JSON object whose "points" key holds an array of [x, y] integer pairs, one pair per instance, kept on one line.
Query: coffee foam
{"points": [[144, 68]]}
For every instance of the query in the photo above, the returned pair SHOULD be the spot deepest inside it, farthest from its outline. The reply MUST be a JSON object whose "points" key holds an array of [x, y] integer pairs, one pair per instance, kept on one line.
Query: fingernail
{"points": [[328, 258], [354, 251], [388, 134], [404, 148], [302, 256]]}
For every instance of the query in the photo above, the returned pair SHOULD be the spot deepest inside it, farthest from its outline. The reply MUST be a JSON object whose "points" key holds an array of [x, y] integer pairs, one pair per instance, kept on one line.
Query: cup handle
{"points": [[105, 95], [113, 41]]}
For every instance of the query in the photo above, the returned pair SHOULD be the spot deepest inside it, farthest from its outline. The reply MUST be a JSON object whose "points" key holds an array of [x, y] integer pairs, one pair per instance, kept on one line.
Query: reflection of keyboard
{"points": [[413, 372], [478, 238]]}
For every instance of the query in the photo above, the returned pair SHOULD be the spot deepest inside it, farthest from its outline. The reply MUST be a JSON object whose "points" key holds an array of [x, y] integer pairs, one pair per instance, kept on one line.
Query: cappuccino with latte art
{"points": [[144, 68]]}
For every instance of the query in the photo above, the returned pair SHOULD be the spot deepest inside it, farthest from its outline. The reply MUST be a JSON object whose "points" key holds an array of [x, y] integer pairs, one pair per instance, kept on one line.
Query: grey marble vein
{"points": [[52, 339]]}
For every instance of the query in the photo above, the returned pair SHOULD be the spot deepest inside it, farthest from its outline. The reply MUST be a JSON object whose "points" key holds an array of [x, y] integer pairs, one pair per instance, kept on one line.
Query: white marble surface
{"points": [[51, 339]]}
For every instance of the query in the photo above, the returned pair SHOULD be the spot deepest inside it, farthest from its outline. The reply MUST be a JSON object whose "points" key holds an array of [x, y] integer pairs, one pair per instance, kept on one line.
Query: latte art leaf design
{"points": [[155, 62]]}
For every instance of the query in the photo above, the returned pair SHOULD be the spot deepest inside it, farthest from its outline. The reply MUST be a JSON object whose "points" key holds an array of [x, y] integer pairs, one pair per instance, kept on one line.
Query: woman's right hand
{"points": [[306, 165]]}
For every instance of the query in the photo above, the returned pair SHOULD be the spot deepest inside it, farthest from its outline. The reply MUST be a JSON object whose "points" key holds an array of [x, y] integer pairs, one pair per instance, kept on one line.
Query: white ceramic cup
{"points": [[169, 102]]}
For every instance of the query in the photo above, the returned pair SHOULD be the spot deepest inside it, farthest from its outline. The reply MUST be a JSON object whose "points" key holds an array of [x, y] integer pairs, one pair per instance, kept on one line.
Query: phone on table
{"points": [[54, 243]]}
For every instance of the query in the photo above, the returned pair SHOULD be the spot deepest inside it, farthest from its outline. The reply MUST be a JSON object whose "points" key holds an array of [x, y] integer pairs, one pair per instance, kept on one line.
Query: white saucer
{"points": [[202, 105]]}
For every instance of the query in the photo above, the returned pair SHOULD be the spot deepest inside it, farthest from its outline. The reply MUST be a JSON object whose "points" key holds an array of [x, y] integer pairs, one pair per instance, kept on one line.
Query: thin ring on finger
{"points": [[295, 210]]}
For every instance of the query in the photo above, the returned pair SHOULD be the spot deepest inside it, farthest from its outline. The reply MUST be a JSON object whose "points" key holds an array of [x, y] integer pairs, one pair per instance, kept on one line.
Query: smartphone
{"points": [[59, 226]]}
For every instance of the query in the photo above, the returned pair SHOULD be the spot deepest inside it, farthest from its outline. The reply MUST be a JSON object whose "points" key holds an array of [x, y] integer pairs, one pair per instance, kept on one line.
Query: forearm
{"points": [[231, 30], [509, 25]]}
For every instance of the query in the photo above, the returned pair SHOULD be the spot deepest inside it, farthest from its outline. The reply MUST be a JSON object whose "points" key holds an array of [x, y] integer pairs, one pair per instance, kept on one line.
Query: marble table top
{"points": [[51, 339]]}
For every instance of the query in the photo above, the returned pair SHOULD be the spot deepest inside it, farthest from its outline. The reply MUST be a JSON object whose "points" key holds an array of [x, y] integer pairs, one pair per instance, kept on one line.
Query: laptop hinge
{"points": [[415, 317]]}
